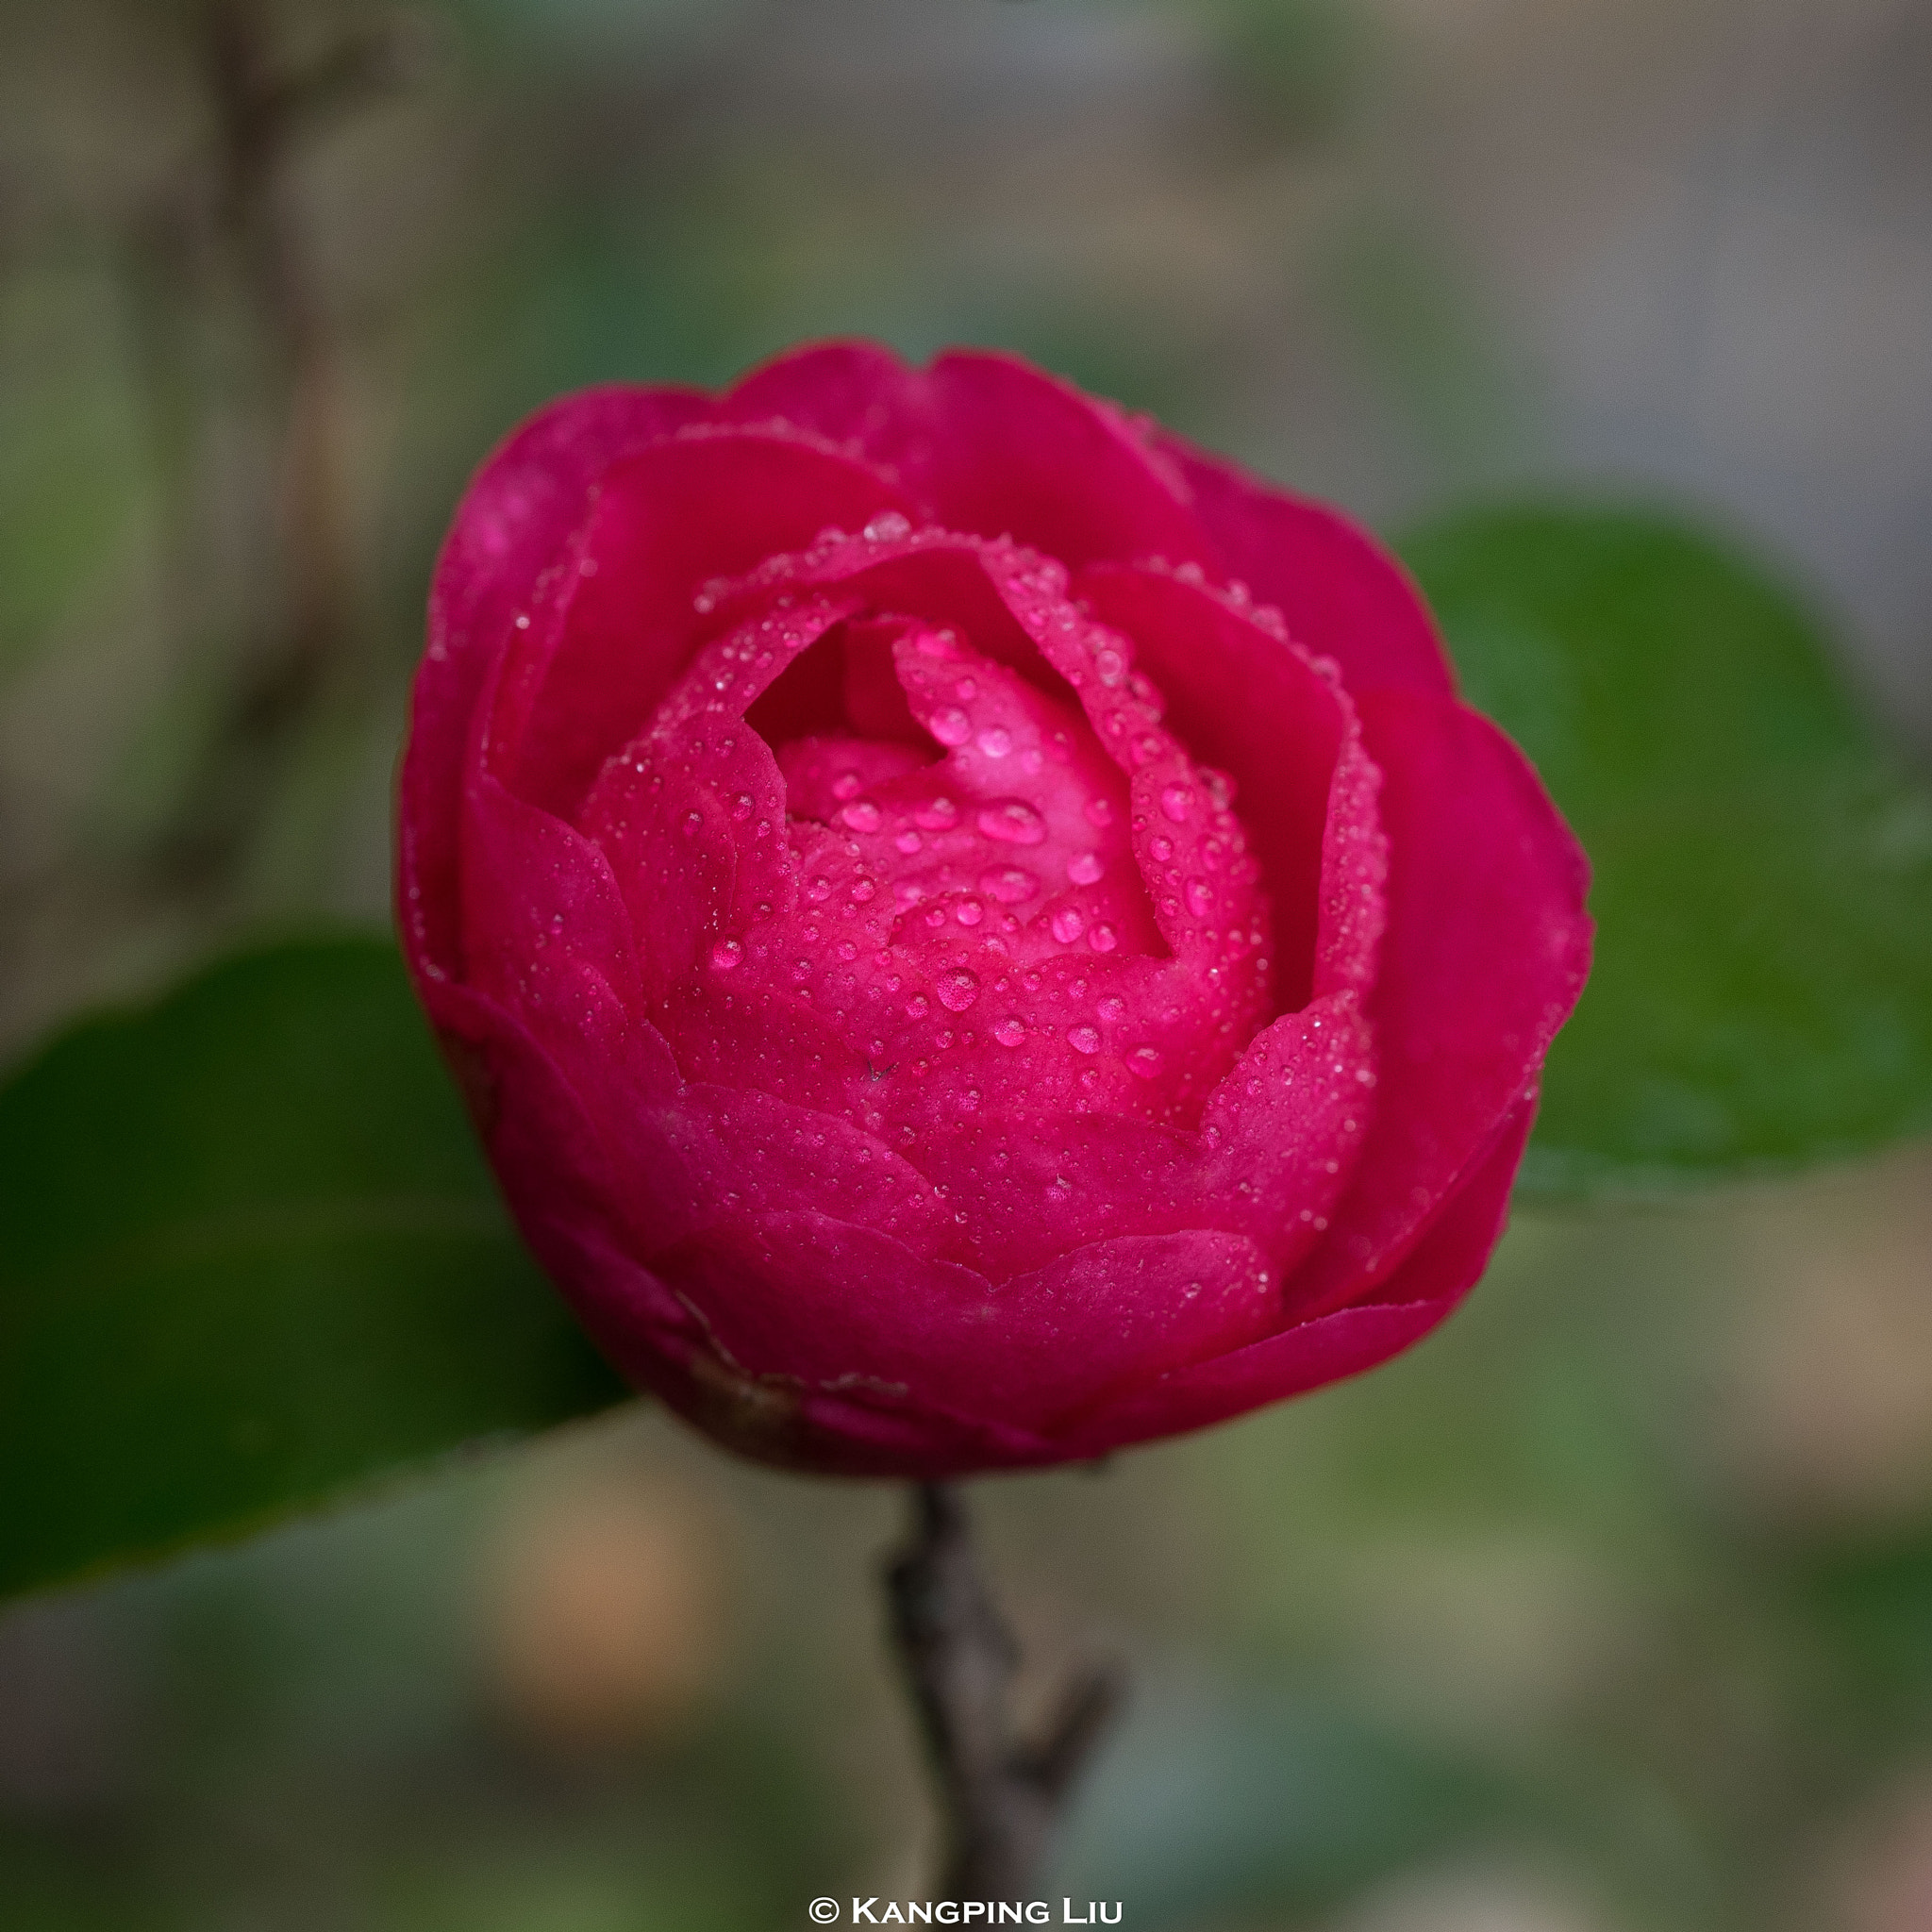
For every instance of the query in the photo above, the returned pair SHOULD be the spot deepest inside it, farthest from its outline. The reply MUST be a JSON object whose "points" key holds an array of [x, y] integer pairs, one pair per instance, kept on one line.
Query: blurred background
{"points": [[1609, 1609]]}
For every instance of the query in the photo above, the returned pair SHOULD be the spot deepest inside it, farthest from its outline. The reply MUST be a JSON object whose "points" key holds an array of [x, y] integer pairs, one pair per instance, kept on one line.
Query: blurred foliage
{"points": [[249, 1253], [1762, 989]]}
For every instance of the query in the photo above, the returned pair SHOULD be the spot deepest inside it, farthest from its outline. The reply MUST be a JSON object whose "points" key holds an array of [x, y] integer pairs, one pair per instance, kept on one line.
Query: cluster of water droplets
{"points": [[1047, 898]]}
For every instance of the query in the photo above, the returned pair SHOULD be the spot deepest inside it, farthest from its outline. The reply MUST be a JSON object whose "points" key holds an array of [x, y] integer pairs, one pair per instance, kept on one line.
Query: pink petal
{"points": [[704, 506], [1342, 593], [822, 1303], [516, 515], [1486, 951], [1441, 1269], [989, 446], [1018, 452], [1243, 702]]}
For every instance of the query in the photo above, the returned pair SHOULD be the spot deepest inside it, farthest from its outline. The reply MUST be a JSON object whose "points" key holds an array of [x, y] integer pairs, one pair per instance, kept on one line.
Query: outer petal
{"points": [[1486, 950], [991, 445], [694, 507], [1341, 593], [1443, 1266], [516, 515], [828, 1305]]}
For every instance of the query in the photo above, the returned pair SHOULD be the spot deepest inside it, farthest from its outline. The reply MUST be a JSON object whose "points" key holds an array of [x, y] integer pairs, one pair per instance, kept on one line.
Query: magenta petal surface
{"points": [[975, 934], [1341, 592]]}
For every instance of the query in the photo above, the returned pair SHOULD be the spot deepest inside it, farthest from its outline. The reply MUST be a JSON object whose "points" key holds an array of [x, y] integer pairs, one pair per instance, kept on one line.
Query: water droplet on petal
{"points": [[1103, 939], [1099, 811], [950, 726], [1145, 1061], [908, 841], [1113, 1007], [1200, 897], [1161, 848], [693, 823], [847, 785], [958, 987], [916, 1006], [1084, 868], [1176, 802], [1010, 1031], [938, 815], [727, 953], [1084, 1038], [1010, 886], [888, 528], [969, 911], [995, 740], [1068, 925], [1012, 824], [863, 816]]}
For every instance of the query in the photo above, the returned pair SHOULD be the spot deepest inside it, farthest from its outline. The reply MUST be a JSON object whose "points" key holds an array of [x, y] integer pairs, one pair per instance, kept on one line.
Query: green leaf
{"points": [[249, 1255], [1762, 993]]}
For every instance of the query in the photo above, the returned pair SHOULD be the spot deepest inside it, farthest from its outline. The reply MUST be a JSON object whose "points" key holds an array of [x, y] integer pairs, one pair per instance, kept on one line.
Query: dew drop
{"points": [[938, 815], [1068, 925], [995, 740], [950, 726], [1084, 1038], [862, 889], [1084, 868], [1103, 939], [1177, 801], [888, 528], [1113, 1008], [693, 823], [1145, 1061], [969, 911], [863, 816], [908, 841], [1200, 897], [1162, 848], [1010, 1031], [917, 1007], [1099, 811], [1010, 886], [847, 785], [727, 953], [1012, 824], [958, 988]]}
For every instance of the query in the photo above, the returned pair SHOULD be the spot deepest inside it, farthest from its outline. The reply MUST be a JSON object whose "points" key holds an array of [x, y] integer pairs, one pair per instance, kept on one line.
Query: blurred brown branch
{"points": [[1003, 1793], [232, 210]]}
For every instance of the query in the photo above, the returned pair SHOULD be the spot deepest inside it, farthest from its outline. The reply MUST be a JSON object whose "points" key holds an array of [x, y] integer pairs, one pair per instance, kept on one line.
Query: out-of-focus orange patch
{"points": [[603, 1609]]}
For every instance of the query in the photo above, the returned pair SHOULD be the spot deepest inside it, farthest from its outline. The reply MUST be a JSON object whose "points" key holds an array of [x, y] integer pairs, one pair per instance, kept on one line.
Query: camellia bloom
{"points": [[974, 933]]}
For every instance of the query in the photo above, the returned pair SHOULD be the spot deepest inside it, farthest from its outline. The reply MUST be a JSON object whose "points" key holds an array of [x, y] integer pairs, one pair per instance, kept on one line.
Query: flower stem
{"points": [[1002, 1795]]}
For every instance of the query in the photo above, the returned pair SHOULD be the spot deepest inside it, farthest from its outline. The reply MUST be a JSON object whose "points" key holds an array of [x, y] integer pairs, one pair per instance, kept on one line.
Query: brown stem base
{"points": [[1002, 1795]]}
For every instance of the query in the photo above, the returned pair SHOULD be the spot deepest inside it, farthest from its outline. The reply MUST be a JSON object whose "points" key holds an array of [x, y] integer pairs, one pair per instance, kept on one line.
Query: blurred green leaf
{"points": [[1762, 994], [249, 1255]]}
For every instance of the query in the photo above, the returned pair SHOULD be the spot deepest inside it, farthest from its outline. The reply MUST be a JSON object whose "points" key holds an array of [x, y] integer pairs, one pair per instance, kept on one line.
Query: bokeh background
{"points": [[1609, 1609]]}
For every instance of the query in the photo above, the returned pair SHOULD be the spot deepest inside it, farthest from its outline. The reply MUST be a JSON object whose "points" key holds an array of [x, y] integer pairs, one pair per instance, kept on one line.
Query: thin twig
{"points": [[1002, 1795]]}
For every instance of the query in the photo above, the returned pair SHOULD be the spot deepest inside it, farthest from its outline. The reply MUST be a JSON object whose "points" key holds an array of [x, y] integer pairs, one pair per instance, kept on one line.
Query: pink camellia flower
{"points": [[974, 933]]}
